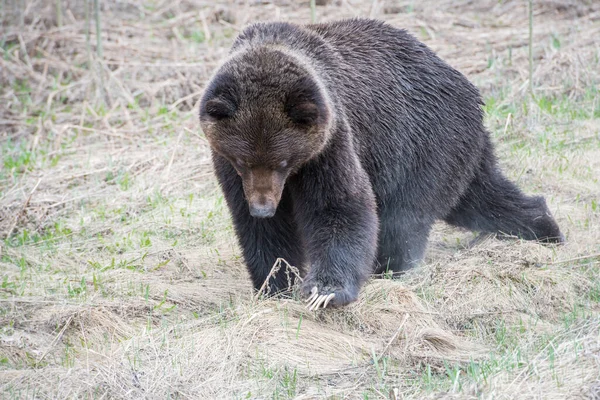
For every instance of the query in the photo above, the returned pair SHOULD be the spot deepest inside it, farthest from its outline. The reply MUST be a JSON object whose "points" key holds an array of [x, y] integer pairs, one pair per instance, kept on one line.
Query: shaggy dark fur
{"points": [[338, 145]]}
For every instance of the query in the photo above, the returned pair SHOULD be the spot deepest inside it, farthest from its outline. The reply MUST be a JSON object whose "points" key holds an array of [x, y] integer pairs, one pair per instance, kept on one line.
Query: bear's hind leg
{"points": [[402, 240], [494, 204]]}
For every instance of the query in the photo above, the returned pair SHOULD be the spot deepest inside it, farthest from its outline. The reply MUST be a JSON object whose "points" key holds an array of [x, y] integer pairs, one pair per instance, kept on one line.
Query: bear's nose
{"points": [[266, 210]]}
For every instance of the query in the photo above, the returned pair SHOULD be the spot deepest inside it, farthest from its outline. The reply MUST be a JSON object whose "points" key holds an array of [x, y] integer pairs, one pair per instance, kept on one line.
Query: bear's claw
{"points": [[315, 300]]}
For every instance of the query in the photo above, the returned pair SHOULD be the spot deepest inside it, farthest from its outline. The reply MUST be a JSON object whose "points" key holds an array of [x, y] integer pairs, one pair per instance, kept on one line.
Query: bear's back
{"points": [[417, 121]]}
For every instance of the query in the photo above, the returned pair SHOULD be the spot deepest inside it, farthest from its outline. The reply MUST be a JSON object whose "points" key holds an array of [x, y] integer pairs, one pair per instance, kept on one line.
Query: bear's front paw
{"points": [[318, 295]]}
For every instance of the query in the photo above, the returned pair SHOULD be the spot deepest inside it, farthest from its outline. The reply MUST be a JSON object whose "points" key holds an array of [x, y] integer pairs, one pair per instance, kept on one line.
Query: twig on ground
{"points": [[395, 335], [20, 213], [568, 260], [55, 340], [168, 169], [274, 269], [530, 10]]}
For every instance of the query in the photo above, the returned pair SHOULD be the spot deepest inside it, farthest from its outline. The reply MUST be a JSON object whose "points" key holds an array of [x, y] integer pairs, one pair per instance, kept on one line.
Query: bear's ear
{"points": [[304, 103], [220, 100], [217, 109], [304, 113]]}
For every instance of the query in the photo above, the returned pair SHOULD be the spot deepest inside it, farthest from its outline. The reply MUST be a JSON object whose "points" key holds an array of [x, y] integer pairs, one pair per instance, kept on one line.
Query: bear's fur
{"points": [[338, 145]]}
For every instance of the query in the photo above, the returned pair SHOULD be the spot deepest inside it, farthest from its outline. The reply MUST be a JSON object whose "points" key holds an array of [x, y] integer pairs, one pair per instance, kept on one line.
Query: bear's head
{"points": [[268, 115]]}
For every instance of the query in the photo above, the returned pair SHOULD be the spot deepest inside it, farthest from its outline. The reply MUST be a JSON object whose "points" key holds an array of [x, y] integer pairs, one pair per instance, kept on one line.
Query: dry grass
{"points": [[120, 277]]}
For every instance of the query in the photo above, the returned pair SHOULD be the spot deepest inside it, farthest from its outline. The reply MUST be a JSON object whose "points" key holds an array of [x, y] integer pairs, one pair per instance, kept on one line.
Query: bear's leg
{"points": [[341, 240], [335, 208], [262, 240], [494, 204], [402, 240]]}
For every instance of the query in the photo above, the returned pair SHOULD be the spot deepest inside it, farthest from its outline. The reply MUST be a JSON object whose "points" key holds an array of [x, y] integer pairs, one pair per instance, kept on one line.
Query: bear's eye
{"points": [[283, 164], [240, 163]]}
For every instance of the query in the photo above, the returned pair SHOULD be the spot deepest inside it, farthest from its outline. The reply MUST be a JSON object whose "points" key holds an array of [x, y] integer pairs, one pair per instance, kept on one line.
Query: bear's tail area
{"points": [[494, 204]]}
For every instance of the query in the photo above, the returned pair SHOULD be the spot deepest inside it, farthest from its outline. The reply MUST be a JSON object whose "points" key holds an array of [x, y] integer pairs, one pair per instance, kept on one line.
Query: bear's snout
{"points": [[266, 210], [263, 189]]}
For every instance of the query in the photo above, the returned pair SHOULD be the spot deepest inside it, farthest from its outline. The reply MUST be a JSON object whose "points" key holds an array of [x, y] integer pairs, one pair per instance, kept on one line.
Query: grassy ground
{"points": [[120, 276]]}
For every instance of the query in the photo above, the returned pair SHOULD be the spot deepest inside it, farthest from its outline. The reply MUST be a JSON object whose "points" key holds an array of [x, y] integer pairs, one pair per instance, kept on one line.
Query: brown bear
{"points": [[338, 145]]}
